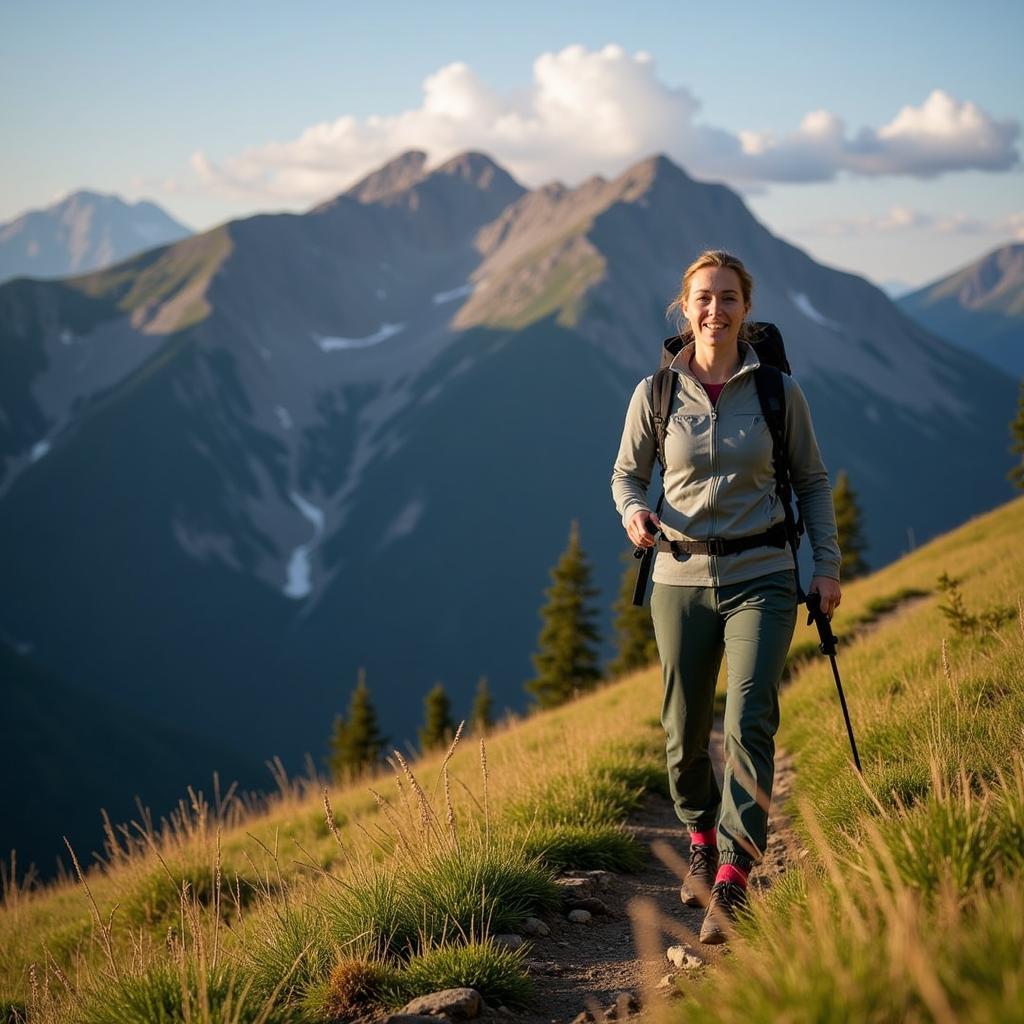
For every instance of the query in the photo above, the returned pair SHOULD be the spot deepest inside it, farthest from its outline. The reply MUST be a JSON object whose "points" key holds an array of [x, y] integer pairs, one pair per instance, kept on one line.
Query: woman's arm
{"points": [[631, 474], [811, 484]]}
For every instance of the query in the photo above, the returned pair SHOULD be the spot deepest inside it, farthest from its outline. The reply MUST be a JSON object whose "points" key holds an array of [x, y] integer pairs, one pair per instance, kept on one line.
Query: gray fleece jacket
{"points": [[720, 478]]}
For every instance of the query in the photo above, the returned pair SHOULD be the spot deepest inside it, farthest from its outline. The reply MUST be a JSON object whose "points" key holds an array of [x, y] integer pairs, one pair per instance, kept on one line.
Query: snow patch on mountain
{"points": [[405, 522], [331, 344], [456, 293], [803, 303], [300, 567]]}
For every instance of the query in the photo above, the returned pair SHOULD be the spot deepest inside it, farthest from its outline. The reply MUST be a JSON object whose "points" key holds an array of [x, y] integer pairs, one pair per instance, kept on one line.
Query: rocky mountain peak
{"points": [[478, 169], [643, 177], [394, 176]]}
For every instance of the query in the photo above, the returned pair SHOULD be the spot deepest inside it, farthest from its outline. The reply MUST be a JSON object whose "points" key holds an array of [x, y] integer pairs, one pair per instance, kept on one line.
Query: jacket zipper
{"points": [[715, 476]]}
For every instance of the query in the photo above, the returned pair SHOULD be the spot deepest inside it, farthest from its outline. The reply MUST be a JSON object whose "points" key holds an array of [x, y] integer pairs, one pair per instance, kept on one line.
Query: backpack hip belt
{"points": [[775, 537]]}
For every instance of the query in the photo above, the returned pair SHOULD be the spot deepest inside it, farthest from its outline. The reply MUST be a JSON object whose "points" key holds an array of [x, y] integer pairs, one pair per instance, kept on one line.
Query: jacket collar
{"points": [[681, 363]]}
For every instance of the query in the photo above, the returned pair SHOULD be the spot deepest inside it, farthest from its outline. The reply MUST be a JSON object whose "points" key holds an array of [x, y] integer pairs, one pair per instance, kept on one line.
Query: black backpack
{"points": [[771, 351]]}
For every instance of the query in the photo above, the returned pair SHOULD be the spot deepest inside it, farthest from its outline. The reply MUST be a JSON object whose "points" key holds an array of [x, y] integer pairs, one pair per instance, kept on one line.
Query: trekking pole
{"points": [[828, 646]]}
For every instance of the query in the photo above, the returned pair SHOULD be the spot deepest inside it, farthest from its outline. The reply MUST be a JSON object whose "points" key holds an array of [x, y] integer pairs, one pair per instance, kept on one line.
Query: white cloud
{"points": [[903, 218], [588, 111]]}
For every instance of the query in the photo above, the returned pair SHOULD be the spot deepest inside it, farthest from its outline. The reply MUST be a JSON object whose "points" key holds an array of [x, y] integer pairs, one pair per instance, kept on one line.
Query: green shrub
{"points": [[286, 949], [446, 894], [169, 994], [156, 898], [585, 847], [498, 974]]}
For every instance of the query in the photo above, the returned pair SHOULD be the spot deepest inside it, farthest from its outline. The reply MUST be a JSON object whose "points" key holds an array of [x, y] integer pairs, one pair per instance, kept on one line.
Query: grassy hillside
{"points": [[908, 907]]}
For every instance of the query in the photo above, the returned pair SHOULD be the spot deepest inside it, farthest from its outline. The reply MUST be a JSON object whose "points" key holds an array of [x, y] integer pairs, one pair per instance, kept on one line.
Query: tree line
{"points": [[566, 662]]}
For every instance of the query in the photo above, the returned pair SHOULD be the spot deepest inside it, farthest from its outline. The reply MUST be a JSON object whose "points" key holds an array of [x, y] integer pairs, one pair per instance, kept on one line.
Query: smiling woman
{"points": [[723, 581]]}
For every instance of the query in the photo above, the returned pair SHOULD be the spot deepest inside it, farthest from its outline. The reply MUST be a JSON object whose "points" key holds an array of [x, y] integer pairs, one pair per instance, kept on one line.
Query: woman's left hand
{"points": [[830, 593]]}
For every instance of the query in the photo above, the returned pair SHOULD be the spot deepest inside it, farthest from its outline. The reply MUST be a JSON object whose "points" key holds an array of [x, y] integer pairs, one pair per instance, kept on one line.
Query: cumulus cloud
{"points": [[596, 111]]}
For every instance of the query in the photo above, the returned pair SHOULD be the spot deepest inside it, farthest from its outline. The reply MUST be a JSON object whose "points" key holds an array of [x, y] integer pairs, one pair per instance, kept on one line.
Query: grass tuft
{"points": [[498, 974], [585, 847]]}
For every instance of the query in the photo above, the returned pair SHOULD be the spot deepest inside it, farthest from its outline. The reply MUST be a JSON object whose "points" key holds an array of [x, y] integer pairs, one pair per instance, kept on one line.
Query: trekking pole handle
{"points": [[826, 637]]}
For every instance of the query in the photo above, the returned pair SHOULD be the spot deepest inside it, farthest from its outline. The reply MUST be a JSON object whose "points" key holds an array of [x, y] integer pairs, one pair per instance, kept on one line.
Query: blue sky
{"points": [[208, 108]]}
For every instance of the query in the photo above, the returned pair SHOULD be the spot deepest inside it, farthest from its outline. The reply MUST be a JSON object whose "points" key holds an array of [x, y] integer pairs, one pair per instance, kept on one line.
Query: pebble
{"points": [[509, 941], [595, 880], [575, 887], [590, 903], [543, 967], [535, 926], [580, 916], [683, 957], [453, 1003]]}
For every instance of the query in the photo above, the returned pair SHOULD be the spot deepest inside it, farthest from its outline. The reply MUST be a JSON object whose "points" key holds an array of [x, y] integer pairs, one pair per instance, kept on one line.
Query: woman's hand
{"points": [[830, 593], [636, 532]]}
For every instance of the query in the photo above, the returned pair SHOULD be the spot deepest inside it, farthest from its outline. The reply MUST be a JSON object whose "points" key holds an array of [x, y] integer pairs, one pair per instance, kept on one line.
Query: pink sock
{"points": [[709, 837], [731, 873]]}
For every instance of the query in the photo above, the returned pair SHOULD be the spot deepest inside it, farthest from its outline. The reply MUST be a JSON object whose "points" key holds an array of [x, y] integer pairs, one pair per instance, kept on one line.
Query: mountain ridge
{"points": [[365, 446], [83, 231], [979, 307]]}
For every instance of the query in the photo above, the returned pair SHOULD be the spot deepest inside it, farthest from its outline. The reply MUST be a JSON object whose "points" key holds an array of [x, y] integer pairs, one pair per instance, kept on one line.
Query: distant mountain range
{"points": [[84, 231], [237, 468], [979, 307]]}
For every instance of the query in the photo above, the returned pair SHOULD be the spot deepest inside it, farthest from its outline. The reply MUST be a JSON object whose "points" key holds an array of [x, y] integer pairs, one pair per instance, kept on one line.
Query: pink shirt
{"points": [[714, 390]]}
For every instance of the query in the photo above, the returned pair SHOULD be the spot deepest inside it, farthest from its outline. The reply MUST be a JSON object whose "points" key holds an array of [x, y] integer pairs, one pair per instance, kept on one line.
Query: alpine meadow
{"points": [[899, 898]]}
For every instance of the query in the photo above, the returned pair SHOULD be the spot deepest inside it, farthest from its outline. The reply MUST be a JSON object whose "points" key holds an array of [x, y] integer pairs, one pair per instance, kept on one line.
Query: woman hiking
{"points": [[724, 581]]}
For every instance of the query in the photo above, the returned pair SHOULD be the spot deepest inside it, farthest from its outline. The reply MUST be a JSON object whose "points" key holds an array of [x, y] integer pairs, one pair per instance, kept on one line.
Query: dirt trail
{"points": [[581, 966], [584, 966]]}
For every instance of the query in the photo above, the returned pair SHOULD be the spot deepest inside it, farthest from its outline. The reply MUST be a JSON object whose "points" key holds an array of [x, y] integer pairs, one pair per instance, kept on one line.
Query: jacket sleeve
{"points": [[810, 482], [631, 475]]}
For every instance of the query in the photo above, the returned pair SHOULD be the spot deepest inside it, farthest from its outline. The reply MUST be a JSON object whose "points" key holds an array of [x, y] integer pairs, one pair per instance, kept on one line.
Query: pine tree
{"points": [[483, 709], [566, 659], [438, 727], [357, 743], [850, 528], [1016, 475], [634, 630]]}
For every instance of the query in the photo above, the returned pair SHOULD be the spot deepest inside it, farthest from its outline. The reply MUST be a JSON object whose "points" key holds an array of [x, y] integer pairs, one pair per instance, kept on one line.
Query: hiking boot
{"points": [[728, 901], [696, 888]]}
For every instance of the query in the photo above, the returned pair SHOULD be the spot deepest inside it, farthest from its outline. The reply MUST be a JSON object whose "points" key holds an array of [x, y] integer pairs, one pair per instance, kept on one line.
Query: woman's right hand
{"points": [[636, 532]]}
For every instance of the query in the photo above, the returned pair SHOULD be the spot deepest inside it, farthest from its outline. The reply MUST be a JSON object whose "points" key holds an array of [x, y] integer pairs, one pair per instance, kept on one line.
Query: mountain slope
{"points": [[64, 755], [359, 435], [84, 231], [979, 307]]}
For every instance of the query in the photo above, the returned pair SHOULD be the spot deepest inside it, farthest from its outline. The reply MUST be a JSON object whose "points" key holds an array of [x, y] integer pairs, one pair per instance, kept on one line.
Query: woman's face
{"points": [[714, 307]]}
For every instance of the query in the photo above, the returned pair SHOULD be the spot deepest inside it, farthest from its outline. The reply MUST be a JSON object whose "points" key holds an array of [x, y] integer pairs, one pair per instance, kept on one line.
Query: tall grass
{"points": [[910, 906]]}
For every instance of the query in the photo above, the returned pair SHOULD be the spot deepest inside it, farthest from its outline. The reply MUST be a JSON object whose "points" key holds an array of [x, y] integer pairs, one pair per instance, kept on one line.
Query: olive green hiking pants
{"points": [[751, 623]]}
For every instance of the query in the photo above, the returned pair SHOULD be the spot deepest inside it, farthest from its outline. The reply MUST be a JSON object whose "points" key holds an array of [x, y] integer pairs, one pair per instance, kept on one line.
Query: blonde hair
{"points": [[709, 258]]}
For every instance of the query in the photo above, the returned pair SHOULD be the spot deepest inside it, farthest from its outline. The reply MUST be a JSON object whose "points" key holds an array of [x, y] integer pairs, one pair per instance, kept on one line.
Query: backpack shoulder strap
{"points": [[771, 394], [663, 388]]}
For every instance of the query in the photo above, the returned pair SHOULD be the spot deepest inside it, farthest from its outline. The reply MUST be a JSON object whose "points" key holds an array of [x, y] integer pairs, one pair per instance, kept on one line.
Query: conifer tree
{"points": [[1016, 475], [850, 528], [634, 630], [438, 727], [357, 743], [566, 659], [482, 717]]}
